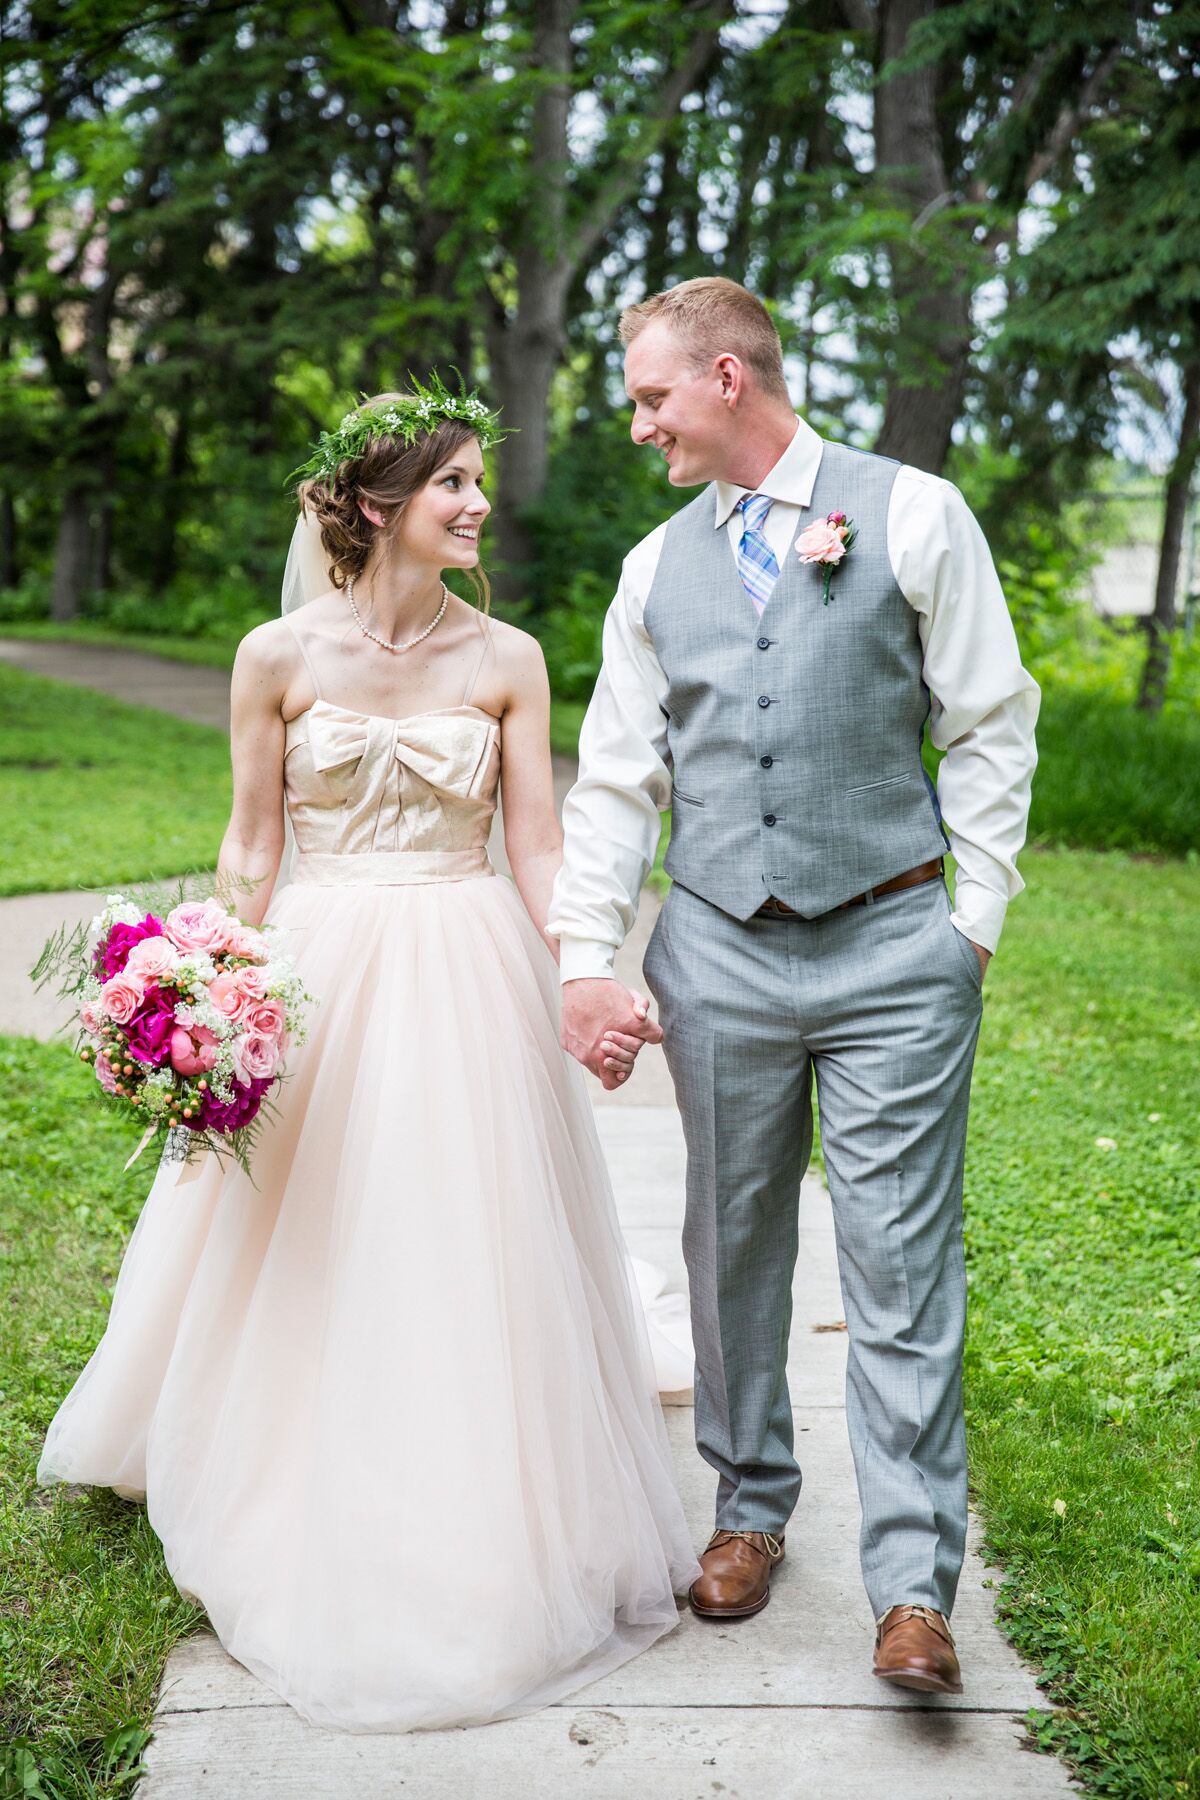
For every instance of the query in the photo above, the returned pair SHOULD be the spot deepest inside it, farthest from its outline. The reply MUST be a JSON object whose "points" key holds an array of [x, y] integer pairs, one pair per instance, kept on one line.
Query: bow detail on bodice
{"points": [[448, 750], [368, 783]]}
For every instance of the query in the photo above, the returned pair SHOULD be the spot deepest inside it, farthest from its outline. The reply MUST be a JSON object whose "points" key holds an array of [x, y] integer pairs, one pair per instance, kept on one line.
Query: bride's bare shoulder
{"points": [[267, 659], [519, 669]]}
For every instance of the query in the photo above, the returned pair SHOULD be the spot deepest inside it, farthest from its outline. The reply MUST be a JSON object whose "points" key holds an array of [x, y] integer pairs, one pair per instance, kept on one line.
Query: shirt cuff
{"points": [[580, 959], [978, 912]]}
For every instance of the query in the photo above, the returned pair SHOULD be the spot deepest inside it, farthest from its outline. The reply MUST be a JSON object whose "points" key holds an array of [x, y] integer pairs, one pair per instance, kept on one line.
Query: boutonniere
{"points": [[827, 542]]}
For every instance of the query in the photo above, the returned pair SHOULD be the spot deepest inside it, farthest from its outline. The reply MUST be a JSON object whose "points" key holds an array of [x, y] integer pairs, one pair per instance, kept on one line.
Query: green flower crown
{"points": [[409, 417]]}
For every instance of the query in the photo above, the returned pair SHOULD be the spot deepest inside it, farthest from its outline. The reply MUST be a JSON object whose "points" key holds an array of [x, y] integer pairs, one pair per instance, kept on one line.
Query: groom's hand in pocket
{"points": [[604, 1026]]}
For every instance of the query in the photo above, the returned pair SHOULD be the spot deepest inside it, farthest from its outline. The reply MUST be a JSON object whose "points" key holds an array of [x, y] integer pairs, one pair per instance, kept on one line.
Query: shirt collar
{"points": [[791, 479]]}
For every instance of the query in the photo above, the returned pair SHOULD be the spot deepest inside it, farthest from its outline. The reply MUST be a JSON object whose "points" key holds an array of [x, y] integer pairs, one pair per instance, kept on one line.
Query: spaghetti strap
{"points": [[487, 640], [312, 673]]}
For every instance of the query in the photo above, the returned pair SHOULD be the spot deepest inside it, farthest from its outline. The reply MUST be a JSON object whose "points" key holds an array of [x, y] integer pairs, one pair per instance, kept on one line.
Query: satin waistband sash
{"points": [[390, 868]]}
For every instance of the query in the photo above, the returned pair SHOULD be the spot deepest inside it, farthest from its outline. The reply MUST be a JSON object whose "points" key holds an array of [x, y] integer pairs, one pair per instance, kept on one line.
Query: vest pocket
{"points": [[869, 787], [690, 798]]}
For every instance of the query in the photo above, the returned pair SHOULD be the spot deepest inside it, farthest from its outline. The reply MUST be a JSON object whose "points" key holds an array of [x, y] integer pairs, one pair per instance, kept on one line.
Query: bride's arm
{"points": [[532, 834], [253, 843]]}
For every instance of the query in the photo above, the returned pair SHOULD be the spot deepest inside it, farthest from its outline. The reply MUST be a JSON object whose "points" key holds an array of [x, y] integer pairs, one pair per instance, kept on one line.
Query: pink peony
{"points": [[243, 940], [266, 1017], [193, 1049], [153, 959], [252, 982], [821, 543], [227, 996], [198, 925], [151, 1029], [229, 1115], [255, 1058], [121, 996], [106, 1075]]}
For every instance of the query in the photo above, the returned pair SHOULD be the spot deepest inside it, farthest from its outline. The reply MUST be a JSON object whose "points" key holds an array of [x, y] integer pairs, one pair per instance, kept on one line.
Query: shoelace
{"points": [[774, 1547], [934, 1620]]}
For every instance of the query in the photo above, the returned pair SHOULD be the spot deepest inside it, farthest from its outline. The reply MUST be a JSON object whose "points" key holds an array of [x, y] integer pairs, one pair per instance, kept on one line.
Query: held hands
{"points": [[604, 1026]]}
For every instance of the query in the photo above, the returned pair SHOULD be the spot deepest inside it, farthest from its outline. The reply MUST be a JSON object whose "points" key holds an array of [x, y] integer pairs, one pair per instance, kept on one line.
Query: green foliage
{"points": [[94, 792]]}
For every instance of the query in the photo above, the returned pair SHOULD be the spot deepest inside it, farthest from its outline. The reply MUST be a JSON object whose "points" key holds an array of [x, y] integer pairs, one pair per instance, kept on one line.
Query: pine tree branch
{"points": [[623, 181]]}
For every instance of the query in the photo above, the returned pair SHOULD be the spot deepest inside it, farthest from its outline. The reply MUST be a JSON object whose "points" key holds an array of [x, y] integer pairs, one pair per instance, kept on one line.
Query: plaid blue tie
{"points": [[756, 559]]}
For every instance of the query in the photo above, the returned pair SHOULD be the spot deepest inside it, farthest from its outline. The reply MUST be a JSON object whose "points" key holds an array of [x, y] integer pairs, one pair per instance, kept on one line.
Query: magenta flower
{"points": [[112, 956], [230, 1115], [149, 1030]]}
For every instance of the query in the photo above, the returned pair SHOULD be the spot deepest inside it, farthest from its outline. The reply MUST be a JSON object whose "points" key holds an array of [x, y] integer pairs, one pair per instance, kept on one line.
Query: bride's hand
{"points": [[618, 1053]]}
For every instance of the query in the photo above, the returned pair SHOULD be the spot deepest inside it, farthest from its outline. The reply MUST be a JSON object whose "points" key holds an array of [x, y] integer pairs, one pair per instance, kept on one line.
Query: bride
{"points": [[391, 1404]]}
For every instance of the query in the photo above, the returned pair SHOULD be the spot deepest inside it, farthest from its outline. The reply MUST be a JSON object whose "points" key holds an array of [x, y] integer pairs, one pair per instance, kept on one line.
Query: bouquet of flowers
{"points": [[185, 1018]]}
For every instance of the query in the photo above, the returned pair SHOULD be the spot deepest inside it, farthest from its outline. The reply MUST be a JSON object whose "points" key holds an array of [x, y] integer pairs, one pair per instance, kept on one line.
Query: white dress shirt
{"points": [[983, 708]]}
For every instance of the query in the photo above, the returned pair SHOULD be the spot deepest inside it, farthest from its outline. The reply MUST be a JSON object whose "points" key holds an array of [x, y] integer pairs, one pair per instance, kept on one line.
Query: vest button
{"points": [[764, 643], [764, 700], [768, 818], [766, 761]]}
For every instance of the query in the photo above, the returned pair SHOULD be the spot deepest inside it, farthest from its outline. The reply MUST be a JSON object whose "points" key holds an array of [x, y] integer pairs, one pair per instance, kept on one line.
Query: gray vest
{"points": [[795, 739]]}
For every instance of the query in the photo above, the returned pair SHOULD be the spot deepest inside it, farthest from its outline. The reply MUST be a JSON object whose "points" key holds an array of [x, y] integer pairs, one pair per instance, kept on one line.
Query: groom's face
{"points": [[678, 410]]}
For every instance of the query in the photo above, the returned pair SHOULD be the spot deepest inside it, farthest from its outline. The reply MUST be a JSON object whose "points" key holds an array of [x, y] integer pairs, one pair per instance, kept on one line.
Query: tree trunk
{"points": [[524, 360], [525, 347], [10, 570], [72, 553], [1161, 623], [932, 300], [165, 561]]}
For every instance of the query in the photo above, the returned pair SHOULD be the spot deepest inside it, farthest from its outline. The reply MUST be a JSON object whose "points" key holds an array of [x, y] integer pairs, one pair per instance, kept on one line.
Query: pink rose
{"points": [[121, 996], [193, 1049], [89, 1017], [243, 940], [266, 1018], [198, 925], [227, 996], [255, 1058], [106, 1075], [821, 543], [252, 982], [153, 959]]}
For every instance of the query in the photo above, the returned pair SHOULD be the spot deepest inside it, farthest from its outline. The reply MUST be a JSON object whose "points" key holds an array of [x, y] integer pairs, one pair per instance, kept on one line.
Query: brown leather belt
{"points": [[930, 871]]}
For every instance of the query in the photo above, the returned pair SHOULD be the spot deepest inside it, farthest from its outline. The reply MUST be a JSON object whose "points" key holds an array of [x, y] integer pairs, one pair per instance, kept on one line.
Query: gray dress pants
{"points": [[881, 1002]]}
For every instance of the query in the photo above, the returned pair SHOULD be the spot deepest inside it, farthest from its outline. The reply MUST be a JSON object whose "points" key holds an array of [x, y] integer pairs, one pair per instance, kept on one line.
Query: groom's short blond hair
{"points": [[714, 317]]}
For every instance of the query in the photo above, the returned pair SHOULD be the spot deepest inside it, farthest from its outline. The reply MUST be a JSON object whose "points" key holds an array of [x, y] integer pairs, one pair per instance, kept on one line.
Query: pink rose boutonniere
{"points": [[826, 543]]}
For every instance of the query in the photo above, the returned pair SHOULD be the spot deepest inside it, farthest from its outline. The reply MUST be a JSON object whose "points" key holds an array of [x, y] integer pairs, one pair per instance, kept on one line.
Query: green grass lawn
{"points": [[1083, 1375], [87, 1609], [1083, 1361], [94, 792]]}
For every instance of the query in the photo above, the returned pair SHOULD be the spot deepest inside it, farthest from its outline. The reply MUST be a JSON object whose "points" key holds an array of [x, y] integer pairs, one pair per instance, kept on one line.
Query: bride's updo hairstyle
{"points": [[365, 461]]}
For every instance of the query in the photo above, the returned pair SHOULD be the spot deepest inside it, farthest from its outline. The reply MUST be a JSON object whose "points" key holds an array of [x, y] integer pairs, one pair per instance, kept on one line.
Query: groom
{"points": [[777, 706]]}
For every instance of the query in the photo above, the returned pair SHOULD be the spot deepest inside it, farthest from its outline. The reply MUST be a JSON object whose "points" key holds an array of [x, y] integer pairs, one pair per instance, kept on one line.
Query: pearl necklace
{"points": [[383, 642]]}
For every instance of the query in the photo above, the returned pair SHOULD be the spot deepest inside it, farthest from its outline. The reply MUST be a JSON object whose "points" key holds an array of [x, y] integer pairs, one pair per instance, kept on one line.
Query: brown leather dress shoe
{"points": [[914, 1647], [737, 1574]]}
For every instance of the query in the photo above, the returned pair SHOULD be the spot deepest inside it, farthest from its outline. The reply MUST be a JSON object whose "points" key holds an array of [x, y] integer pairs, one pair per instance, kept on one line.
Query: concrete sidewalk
{"points": [[189, 690], [780, 1707]]}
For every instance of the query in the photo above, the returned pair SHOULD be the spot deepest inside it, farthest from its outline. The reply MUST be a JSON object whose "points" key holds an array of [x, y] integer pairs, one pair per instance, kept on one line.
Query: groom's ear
{"points": [[731, 375]]}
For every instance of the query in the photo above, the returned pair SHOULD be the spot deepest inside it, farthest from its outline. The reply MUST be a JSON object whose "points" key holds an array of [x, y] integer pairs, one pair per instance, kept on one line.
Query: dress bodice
{"points": [[358, 785], [380, 801]]}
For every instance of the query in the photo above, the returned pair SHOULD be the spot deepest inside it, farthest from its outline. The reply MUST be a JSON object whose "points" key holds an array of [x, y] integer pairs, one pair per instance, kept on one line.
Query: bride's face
{"points": [[442, 522]]}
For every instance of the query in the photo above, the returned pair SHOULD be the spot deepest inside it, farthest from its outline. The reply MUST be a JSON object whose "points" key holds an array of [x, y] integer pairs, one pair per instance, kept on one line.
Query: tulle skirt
{"points": [[391, 1403]]}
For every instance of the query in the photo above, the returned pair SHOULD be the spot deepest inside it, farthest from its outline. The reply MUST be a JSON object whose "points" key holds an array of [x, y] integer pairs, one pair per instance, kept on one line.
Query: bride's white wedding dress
{"points": [[392, 1407]]}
